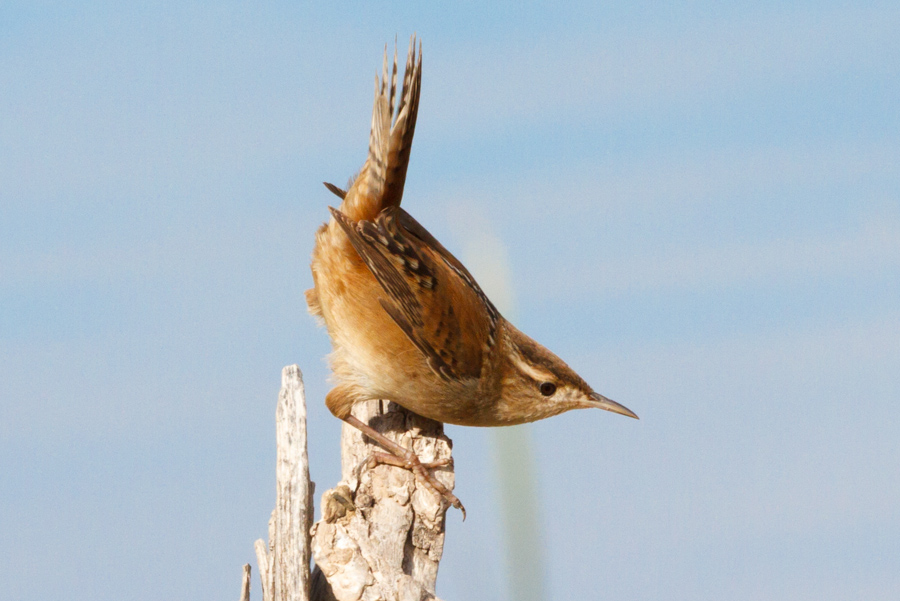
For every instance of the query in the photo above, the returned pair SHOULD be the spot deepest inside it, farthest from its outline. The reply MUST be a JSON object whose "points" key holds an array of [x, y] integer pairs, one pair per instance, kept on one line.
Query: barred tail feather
{"points": [[380, 182]]}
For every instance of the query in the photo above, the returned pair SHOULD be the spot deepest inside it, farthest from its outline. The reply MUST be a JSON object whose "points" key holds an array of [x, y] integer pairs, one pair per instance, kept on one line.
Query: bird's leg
{"points": [[402, 457], [389, 459]]}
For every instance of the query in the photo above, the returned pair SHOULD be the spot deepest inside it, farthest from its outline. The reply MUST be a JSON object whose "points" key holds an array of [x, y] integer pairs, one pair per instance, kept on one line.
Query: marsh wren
{"points": [[407, 321]]}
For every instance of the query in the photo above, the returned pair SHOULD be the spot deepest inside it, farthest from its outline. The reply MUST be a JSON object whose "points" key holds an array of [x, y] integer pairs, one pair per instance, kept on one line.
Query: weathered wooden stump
{"points": [[381, 534]]}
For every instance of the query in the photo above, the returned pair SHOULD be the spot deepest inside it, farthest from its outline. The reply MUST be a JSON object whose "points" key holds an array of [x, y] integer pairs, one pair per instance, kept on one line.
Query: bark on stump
{"points": [[284, 564], [381, 535]]}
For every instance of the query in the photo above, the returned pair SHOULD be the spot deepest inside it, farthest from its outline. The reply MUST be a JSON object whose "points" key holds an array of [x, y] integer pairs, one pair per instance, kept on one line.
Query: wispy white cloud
{"points": [[164, 101], [185, 252], [646, 225], [873, 248], [493, 82], [807, 414], [678, 181]]}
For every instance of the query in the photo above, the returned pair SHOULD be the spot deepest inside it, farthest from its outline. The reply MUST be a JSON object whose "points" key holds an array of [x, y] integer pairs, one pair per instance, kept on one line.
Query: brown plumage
{"points": [[408, 322]]}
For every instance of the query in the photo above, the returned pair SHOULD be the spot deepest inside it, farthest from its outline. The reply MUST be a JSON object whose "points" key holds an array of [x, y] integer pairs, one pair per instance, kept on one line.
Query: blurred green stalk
{"points": [[514, 462], [517, 493]]}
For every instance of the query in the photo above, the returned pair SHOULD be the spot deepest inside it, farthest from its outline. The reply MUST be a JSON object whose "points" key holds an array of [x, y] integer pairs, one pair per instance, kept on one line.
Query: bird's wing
{"points": [[380, 182], [428, 292]]}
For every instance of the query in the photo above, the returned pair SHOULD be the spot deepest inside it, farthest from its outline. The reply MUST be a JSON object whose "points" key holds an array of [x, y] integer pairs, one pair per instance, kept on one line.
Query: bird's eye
{"points": [[548, 388]]}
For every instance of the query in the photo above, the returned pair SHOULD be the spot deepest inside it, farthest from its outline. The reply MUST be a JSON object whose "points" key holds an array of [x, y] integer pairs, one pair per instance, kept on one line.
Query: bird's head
{"points": [[538, 384]]}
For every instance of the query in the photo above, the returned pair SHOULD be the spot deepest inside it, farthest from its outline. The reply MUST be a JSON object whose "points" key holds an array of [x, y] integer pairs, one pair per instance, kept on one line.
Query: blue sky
{"points": [[697, 206]]}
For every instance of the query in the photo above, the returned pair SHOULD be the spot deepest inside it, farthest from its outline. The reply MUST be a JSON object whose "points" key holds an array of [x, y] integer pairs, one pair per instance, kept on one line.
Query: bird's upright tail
{"points": [[380, 182]]}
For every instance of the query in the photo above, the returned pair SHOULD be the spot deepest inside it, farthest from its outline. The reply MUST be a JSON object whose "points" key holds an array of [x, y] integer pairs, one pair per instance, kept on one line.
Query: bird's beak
{"points": [[601, 402]]}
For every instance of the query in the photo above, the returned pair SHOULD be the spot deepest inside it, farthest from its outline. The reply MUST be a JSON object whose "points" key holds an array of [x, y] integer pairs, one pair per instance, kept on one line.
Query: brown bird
{"points": [[407, 321]]}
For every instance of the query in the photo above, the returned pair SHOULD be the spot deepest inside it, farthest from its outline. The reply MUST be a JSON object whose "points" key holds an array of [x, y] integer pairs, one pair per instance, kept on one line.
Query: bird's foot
{"points": [[411, 462], [399, 456]]}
